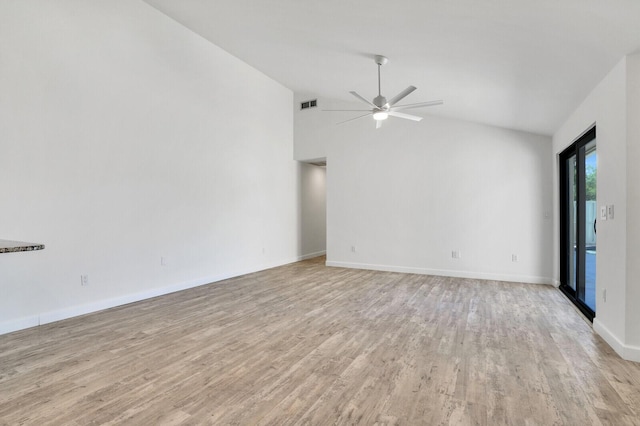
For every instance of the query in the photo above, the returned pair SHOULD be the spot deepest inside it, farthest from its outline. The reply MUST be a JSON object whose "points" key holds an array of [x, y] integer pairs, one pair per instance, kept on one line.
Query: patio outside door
{"points": [[578, 190]]}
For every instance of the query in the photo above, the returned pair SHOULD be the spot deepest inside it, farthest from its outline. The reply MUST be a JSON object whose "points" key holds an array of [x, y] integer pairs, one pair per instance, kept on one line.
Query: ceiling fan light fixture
{"points": [[380, 115]]}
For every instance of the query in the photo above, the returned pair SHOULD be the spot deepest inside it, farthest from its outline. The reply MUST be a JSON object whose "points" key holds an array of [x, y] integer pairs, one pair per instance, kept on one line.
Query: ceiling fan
{"points": [[381, 109]]}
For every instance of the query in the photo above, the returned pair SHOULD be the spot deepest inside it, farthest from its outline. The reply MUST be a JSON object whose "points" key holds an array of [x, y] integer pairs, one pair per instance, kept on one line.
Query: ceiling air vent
{"points": [[309, 104]]}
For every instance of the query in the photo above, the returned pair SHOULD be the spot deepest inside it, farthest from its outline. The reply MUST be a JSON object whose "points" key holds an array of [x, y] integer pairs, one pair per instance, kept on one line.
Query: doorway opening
{"points": [[313, 208], [578, 222]]}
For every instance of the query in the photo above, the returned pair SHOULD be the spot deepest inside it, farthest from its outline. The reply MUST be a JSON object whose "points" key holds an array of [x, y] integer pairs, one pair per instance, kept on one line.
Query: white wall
{"points": [[633, 208], [408, 194], [614, 110], [125, 137], [313, 210], [314, 128]]}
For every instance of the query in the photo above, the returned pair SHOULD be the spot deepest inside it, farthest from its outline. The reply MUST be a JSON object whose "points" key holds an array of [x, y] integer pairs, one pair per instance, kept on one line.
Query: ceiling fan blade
{"points": [[354, 118], [343, 110], [363, 99], [378, 124], [407, 116], [401, 95], [419, 105]]}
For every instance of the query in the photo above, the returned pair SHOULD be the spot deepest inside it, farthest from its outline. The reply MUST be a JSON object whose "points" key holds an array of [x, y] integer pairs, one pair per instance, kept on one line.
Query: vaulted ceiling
{"points": [[517, 64]]}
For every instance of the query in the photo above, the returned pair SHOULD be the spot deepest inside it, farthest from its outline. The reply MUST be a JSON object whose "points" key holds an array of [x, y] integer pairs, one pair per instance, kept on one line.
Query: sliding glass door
{"points": [[578, 226]]}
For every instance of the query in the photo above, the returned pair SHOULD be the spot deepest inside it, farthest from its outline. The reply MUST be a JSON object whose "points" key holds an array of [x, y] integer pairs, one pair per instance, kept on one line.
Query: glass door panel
{"points": [[590, 224], [572, 212]]}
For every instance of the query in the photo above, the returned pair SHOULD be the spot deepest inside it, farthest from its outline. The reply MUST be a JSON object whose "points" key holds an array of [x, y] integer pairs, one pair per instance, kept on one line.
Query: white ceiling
{"points": [[518, 64]]}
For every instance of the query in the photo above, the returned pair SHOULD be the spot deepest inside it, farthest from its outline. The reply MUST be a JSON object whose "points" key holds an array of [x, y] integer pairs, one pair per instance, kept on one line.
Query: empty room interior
{"points": [[250, 212]]}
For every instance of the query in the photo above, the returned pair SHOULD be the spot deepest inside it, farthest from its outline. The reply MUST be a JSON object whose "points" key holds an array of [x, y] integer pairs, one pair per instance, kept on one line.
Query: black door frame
{"points": [[578, 149]]}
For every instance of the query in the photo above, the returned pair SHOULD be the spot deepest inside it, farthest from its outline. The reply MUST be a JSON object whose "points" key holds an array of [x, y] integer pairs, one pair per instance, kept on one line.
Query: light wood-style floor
{"points": [[307, 344]]}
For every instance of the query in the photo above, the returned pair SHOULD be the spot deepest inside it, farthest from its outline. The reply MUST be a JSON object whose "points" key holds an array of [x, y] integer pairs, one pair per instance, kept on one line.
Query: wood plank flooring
{"points": [[307, 344]]}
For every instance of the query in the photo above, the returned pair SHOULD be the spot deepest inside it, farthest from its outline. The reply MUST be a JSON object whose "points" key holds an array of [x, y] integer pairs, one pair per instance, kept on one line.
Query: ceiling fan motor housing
{"points": [[380, 101]]}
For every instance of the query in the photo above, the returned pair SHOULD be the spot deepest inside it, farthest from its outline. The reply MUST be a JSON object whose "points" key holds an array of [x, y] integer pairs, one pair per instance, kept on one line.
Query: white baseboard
{"points": [[312, 255], [19, 324], [615, 343], [74, 311], [627, 352], [445, 272], [632, 353]]}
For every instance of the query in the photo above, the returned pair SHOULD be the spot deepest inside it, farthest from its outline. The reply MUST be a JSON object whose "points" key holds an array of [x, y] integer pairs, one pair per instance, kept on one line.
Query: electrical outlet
{"points": [[84, 280], [353, 249], [610, 212], [514, 257], [456, 254], [163, 261]]}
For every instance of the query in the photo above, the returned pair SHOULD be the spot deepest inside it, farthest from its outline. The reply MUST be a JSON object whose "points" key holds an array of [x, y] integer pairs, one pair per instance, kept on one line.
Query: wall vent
{"points": [[309, 104]]}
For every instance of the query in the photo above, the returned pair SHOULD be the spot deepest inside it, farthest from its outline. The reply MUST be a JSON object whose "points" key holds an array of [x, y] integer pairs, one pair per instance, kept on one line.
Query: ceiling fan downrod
{"points": [[380, 101]]}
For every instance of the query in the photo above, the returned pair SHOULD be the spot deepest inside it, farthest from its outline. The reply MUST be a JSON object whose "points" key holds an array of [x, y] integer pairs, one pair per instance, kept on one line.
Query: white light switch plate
{"points": [[610, 211], [603, 212]]}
